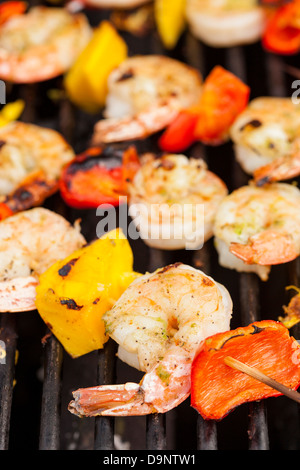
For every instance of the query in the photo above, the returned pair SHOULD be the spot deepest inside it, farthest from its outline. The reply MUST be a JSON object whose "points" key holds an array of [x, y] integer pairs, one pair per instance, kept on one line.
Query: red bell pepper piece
{"points": [[282, 33], [97, 177], [8, 9], [223, 98], [216, 389], [180, 135]]}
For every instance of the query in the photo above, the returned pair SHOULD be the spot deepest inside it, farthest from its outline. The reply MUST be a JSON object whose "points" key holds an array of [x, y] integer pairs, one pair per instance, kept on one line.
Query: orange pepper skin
{"points": [[217, 389]]}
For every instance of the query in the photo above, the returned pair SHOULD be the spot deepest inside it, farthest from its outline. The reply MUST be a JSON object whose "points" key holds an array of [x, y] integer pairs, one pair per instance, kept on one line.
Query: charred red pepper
{"points": [[32, 192], [224, 97], [98, 176], [217, 388], [8, 9], [282, 33]]}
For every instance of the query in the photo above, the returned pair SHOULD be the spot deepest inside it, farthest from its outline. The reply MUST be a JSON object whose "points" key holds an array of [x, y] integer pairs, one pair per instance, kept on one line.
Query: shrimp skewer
{"points": [[257, 227], [41, 44], [267, 139], [159, 323], [145, 94], [31, 241], [31, 160], [173, 201]]}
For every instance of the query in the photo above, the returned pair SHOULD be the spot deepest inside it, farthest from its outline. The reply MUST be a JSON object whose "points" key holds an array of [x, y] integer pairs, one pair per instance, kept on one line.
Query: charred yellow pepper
{"points": [[170, 20], [86, 81], [74, 293]]}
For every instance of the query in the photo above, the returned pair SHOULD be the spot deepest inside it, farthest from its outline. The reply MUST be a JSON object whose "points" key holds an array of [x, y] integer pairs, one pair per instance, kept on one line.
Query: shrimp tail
{"points": [[282, 168], [266, 248], [110, 400]]}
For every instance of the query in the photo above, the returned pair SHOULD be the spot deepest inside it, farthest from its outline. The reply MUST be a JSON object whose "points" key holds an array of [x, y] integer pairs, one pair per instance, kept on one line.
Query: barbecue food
{"points": [[74, 293], [226, 23], [31, 160], [217, 389], [31, 242], [257, 227], [145, 93], [266, 139], [173, 201], [158, 322], [41, 44]]}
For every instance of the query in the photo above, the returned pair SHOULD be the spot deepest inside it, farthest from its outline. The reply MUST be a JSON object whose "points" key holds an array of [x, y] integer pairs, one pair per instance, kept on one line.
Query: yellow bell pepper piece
{"points": [[11, 112], [74, 293], [170, 20], [86, 81]]}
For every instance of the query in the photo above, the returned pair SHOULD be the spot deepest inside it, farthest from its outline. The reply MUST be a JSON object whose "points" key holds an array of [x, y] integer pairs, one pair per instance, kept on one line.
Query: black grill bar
{"points": [[8, 337], [50, 410]]}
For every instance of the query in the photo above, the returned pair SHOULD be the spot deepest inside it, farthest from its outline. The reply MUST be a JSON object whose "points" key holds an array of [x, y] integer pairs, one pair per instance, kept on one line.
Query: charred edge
{"points": [[126, 75], [71, 304], [107, 161], [263, 181], [255, 124], [2, 143], [96, 301], [256, 329], [64, 271], [167, 268]]}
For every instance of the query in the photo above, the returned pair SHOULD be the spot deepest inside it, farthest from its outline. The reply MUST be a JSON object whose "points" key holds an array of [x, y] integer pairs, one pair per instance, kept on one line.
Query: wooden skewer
{"points": [[258, 375]]}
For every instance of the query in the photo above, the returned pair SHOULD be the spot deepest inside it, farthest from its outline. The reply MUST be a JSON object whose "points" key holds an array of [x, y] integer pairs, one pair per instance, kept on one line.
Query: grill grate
{"points": [[43, 403]]}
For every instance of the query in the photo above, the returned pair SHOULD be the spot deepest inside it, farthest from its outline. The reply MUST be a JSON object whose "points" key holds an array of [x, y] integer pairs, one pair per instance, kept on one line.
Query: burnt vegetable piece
{"points": [[98, 176], [217, 389]]}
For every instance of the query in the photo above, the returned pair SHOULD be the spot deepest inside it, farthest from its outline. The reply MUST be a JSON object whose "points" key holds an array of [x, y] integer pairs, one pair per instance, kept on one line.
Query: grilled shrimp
{"points": [[119, 4], [173, 201], [145, 93], [257, 227], [30, 242], [159, 323], [226, 23], [266, 137], [41, 44], [31, 159]]}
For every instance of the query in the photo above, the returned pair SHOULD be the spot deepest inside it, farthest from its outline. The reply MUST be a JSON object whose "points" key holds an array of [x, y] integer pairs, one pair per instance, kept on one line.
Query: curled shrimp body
{"points": [[30, 242], [257, 227], [223, 23], [173, 201], [31, 160], [266, 137], [159, 323], [145, 93], [41, 44]]}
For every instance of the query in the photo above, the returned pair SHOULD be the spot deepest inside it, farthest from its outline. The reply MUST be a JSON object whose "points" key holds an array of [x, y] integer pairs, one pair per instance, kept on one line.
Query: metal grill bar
{"points": [[7, 368], [50, 411]]}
